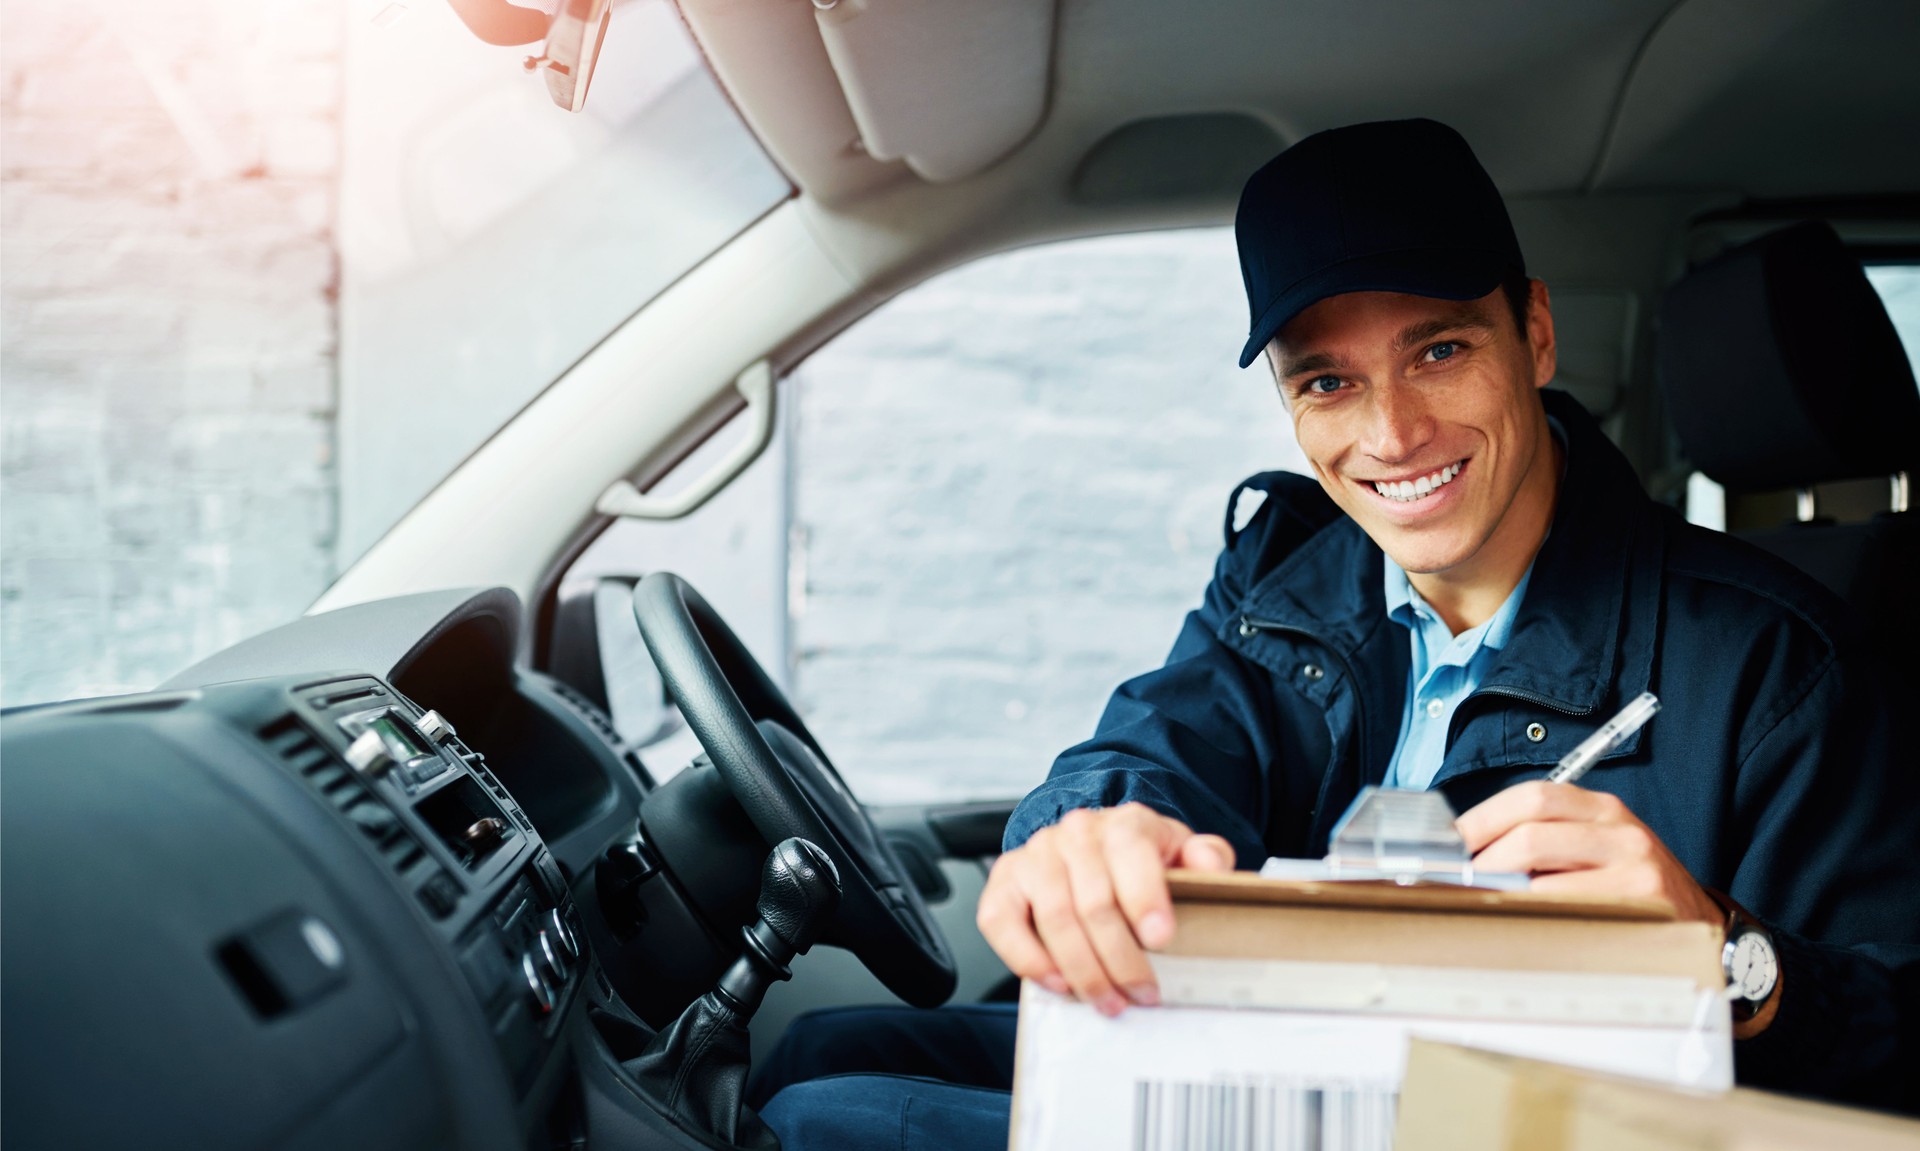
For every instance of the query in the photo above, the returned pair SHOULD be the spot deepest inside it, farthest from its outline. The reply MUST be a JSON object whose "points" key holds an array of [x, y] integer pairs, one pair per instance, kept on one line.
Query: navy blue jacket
{"points": [[1770, 772]]}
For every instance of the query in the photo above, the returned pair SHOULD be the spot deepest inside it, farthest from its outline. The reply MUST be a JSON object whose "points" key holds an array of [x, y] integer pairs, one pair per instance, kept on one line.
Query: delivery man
{"points": [[1471, 583]]}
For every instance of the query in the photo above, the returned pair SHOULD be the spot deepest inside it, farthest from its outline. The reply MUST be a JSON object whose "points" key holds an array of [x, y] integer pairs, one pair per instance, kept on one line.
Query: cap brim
{"points": [[1438, 273]]}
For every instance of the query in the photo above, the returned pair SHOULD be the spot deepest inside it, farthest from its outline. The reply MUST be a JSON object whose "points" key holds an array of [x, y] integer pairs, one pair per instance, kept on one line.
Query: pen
{"points": [[1611, 735]]}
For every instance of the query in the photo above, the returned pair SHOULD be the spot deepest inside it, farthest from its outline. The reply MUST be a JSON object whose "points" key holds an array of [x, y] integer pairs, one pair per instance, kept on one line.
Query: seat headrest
{"points": [[1781, 367]]}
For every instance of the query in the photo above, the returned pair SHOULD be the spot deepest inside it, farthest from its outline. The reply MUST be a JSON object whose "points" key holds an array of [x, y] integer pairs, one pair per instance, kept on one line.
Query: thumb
{"points": [[1206, 853]]}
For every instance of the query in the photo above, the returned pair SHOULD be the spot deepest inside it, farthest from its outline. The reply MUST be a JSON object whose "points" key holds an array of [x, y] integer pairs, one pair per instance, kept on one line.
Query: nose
{"points": [[1399, 424]]}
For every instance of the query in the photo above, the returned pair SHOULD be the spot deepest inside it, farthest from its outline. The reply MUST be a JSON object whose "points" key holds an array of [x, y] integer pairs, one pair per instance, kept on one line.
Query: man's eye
{"points": [[1322, 385], [1442, 350]]}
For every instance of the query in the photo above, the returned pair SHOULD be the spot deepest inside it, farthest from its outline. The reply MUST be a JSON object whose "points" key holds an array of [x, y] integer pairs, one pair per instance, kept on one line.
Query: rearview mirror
{"points": [[573, 35]]}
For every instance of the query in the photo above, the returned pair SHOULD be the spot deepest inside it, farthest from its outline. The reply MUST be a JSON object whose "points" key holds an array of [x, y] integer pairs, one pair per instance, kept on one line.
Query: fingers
{"points": [[1005, 919], [1207, 853], [1576, 841], [1625, 880], [1138, 864], [1533, 801], [1083, 900], [1120, 965], [1031, 917], [1057, 919], [1536, 848]]}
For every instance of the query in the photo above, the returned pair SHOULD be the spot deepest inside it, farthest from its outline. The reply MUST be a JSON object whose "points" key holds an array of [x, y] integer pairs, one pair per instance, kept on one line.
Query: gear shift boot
{"points": [[696, 1069]]}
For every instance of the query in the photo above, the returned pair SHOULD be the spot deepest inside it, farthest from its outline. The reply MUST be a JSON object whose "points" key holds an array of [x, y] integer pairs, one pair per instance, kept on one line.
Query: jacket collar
{"points": [[1598, 565]]}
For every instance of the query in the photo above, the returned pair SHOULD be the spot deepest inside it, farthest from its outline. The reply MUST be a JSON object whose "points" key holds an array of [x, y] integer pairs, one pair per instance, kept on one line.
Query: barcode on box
{"points": [[1263, 1115]]}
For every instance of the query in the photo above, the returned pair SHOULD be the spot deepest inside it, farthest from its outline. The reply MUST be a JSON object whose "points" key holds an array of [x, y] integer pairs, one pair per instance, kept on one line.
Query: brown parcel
{"points": [[1241, 916], [1459, 1099]]}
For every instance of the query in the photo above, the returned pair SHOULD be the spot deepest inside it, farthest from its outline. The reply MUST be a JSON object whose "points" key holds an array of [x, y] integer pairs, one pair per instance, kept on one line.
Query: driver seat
{"points": [[1782, 370]]}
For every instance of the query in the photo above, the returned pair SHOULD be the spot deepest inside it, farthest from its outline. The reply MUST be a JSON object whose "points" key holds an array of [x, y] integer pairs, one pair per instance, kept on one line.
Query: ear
{"points": [[1546, 355]]}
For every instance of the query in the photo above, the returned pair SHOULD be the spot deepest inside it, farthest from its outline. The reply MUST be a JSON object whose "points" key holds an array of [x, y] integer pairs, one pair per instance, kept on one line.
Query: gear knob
{"points": [[799, 892]]}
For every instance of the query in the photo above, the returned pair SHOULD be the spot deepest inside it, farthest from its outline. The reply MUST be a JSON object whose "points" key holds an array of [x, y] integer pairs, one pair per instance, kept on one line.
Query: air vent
{"points": [[477, 764], [369, 691], [601, 722], [300, 750], [586, 709]]}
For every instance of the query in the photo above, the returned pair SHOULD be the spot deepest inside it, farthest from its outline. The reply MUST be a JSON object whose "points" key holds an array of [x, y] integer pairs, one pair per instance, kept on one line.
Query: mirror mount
{"points": [[573, 37]]}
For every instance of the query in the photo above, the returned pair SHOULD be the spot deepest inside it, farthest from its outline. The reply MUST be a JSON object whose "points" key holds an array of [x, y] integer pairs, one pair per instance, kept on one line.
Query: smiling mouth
{"points": [[1413, 491]]}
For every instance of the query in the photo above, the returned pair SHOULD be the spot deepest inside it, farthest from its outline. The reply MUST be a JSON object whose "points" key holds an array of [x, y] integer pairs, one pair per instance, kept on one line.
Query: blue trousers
{"points": [[865, 1078]]}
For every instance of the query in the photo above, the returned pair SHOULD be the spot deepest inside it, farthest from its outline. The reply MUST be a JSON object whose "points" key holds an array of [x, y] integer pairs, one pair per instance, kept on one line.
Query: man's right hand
{"points": [[1077, 906]]}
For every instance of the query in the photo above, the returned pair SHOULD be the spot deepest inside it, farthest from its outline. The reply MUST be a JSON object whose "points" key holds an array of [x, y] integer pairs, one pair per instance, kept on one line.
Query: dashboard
{"points": [[338, 886]]}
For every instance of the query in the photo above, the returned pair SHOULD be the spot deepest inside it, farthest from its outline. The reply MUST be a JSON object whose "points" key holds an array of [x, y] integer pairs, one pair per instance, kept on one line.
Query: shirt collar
{"points": [[1401, 599], [1398, 590]]}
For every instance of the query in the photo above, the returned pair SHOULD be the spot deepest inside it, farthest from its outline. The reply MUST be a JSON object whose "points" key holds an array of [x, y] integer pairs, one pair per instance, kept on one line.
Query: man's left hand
{"points": [[1572, 839]]}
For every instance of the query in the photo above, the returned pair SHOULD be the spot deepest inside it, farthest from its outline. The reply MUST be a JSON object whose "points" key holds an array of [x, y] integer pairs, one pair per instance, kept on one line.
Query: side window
{"points": [[994, 499], [1899, 288]]}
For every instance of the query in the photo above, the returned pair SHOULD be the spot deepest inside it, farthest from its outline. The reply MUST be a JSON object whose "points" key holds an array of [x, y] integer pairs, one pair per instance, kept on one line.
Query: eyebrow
{"points": [[1471, 319], [1317, 362], [1468, 319]]}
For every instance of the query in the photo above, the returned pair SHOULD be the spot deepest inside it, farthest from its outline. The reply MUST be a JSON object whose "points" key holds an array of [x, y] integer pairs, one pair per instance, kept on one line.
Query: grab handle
{"points": [[755, 385]]}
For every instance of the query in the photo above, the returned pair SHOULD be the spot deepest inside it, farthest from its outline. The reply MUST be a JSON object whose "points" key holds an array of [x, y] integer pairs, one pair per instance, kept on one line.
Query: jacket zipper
{"points": [[1249, 625], [1529, 697], [1520, 694]]}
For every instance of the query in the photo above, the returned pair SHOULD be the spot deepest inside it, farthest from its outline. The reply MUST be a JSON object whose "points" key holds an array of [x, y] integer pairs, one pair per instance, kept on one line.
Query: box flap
{"points": [[1461, 1099]]}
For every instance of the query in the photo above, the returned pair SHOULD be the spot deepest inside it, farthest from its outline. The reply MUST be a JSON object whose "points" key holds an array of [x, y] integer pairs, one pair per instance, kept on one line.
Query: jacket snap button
{"points": [[1536, 732], [1246, 628], [1312, 671]]}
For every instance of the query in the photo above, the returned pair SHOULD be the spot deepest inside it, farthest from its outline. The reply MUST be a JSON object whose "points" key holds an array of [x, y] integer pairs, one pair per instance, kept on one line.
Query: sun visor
{"points": [[947, 87]]}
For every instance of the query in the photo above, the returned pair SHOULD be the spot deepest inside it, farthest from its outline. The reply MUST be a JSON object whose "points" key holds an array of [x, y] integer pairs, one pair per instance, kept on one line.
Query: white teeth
{"points": [[1406, 491]]}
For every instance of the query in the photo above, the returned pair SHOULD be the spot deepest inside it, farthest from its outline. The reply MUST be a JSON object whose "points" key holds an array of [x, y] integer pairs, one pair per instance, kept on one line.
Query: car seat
{"points": [[1782, 370]]}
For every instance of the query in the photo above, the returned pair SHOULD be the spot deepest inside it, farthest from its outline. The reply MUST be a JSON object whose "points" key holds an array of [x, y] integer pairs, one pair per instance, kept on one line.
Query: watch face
{"points": [[1751, 967]]}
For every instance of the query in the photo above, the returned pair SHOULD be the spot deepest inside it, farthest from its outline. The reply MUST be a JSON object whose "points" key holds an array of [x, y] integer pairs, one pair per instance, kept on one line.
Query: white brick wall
{"points": [[1008, 487], [166, 332]]}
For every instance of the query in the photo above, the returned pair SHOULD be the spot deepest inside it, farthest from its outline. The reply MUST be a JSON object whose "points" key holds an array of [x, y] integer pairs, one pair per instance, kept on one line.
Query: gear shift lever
{"points": [[696, 1069], [799, 892]]}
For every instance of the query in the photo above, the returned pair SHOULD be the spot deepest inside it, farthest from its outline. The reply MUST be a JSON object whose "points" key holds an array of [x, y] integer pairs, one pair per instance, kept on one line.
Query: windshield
{"points": [[272, 270], [488, 239]]}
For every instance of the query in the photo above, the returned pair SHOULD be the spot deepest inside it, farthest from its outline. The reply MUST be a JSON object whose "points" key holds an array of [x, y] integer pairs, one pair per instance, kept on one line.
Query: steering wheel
{"points": [[787, 786]]}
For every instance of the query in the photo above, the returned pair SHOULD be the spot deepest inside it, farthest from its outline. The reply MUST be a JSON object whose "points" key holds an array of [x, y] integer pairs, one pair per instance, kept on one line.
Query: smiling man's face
{"points": [[1421, 421]]}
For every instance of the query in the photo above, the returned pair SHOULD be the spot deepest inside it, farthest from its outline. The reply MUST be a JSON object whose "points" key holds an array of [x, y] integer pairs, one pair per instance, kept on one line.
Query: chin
{"points": [[1421, 557]]}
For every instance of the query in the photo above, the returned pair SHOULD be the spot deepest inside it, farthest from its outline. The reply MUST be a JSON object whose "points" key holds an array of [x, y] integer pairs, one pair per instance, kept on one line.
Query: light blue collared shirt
{"points": [[1446, 669]]}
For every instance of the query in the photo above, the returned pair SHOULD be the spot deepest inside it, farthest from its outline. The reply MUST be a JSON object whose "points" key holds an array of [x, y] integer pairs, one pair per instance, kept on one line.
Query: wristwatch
{"points": [[1749, 959]]}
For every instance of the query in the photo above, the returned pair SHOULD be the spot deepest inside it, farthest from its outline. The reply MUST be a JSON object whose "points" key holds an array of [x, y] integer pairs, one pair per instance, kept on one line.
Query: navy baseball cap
{"points": [[1394, 206]]}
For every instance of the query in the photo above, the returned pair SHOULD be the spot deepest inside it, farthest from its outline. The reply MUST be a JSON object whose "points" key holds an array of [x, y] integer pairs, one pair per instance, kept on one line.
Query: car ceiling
{"points": [[1784, 98]]}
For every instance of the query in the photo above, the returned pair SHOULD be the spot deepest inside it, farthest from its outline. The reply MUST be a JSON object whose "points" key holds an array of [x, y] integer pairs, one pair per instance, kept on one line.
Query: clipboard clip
{"points": [[1396, 835]]}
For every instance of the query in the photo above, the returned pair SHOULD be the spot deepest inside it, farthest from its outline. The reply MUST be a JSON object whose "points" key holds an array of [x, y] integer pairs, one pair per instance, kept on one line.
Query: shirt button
{"points": [[1536, 732], [1434, 708], [1312, 671]]}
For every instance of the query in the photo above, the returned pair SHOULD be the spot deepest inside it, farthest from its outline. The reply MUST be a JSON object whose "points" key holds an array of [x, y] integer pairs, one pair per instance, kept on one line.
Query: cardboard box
{"points": [[1457, 1099], [1289, 1006]]}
